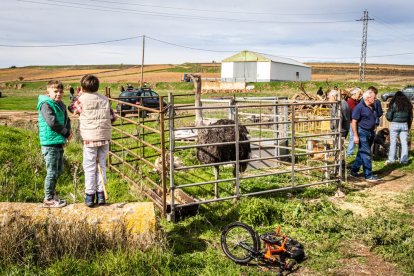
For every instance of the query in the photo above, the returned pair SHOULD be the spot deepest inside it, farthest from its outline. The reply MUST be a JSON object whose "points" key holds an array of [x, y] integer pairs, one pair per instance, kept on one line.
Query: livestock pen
{"points": [[291, 146]]}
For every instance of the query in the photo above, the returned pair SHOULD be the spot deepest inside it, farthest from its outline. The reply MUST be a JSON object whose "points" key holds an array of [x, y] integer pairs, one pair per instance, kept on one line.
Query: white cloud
{"points": [[55, 22]]}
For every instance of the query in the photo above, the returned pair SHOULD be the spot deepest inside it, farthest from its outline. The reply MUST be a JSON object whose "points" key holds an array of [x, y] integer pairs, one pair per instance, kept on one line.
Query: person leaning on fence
{"points": [[71, 93], [400, 116], [95, 124], [319, 92], [363, 126], [334, 96], [54, 133], [377, 106], [352, 101]]}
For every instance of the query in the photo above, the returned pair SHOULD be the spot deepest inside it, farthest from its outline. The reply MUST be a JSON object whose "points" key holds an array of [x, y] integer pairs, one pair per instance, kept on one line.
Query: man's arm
{"points": [[50, 118], [379, 108], [355, 131]]}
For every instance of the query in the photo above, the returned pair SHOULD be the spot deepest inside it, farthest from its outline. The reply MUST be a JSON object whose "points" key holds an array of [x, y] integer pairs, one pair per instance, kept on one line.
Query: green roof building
{"points": [[248, 66]]}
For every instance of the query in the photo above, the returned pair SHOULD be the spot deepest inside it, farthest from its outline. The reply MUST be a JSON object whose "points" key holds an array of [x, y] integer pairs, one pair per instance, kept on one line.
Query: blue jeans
{"points": [[351, 145], [363, 158], [401, 130], [54, 167]]}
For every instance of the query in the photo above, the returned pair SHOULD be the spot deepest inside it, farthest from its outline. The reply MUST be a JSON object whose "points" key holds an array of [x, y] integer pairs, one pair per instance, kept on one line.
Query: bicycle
{"points": [[241, 244]]}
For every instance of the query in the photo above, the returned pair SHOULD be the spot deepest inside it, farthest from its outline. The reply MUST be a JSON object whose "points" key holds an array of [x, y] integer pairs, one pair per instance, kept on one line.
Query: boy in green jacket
{"points": [[54, 133]]}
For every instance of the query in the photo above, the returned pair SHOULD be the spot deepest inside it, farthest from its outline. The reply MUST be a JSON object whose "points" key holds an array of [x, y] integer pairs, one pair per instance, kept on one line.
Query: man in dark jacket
{"points": [[363, 125]]}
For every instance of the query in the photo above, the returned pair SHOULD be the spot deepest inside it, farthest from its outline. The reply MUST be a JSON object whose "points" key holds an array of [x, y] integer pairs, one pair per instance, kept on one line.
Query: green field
{"points": [[192, 246], [26, 98]]}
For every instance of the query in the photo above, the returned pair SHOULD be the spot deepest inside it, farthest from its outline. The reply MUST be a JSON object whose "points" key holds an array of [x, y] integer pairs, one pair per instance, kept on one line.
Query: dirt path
{"points": [[360, 260]]}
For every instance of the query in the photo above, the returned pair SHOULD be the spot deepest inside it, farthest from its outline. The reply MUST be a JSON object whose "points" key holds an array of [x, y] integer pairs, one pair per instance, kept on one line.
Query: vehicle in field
{"points": [[407, 91], [142, 96]]}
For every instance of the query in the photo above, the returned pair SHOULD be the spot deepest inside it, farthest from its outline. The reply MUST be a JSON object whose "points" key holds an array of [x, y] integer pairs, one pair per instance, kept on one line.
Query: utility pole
{"points": [[362, 62], [142, 61]]}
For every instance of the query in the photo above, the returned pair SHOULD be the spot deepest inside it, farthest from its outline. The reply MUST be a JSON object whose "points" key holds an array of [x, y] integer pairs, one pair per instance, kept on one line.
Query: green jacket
{"points": [[47, 135], [393, 115]]}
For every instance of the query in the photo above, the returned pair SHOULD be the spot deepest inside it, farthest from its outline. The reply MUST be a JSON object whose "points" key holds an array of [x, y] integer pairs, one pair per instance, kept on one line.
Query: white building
{"points": [[249, 66]]}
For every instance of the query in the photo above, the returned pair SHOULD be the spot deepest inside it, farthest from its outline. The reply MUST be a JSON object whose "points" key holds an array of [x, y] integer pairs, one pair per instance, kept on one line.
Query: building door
{"points": [[245, 71]]}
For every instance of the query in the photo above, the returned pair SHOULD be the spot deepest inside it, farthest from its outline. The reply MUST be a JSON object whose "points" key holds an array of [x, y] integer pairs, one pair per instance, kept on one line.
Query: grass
{"points": [[22, 170], [192, 246], [26, 98]]}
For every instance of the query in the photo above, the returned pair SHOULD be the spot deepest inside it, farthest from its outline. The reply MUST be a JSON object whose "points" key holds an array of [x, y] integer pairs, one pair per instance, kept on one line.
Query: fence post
{"points": [[164, 167], [231, 109], [276, 130], [237, 144], [171, 111], [340, 143], [292, 154]]}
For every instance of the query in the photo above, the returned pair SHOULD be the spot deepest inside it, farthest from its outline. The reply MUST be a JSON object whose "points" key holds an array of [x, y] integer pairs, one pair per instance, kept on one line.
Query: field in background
{"points": [[121, 74], [380, 73], [369, 231]]}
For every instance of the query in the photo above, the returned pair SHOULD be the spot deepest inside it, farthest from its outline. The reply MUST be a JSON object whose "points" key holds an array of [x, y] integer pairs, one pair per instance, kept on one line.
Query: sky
{"points": [[78, 32]]}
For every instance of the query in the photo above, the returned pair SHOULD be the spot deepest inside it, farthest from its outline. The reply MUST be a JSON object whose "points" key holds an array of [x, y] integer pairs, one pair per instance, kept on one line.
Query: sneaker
{"points": [[90, 200], [389, 162], [353, 174], [372, 178], [53, 203], [100, 198], [56, 197]]}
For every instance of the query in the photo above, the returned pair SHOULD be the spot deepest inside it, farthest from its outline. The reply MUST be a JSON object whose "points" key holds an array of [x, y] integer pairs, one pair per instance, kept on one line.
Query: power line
{"points": [[68, 45], [193, 48], [394, 31], [170, 15], [220, 11]]}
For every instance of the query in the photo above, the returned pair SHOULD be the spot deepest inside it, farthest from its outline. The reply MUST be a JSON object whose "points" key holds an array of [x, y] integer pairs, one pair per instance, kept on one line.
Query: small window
{"points": [[297, 74]]}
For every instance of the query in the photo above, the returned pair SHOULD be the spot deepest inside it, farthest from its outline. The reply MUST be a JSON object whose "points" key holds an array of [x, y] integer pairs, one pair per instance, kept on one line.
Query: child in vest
{"points": [[95, 118], [54, 132]]}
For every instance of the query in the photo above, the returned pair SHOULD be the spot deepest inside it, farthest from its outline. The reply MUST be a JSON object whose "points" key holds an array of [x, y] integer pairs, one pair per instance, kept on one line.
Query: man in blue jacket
{"points": [[364, 119]]}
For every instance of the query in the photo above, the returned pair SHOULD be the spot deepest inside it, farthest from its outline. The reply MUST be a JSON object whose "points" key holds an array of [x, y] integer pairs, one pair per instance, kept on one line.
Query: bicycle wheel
{"points": [[239, 242]]}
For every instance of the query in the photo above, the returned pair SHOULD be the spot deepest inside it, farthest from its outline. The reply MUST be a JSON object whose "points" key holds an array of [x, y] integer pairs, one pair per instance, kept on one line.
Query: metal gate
{"points": [[292, 147]]}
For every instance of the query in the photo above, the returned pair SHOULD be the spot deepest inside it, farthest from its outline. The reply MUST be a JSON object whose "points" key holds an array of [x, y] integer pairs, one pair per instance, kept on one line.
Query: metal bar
{"points": [[255, 193], [138, 139], [172, 150], [163, 162], [257, 106], [135, 154], [237, 145], [293, 147], [204, 183], [137, 106]]}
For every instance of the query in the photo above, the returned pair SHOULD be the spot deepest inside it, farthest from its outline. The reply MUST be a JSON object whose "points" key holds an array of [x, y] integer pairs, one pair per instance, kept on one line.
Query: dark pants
{"points": [[54, 167], [363, 158]]}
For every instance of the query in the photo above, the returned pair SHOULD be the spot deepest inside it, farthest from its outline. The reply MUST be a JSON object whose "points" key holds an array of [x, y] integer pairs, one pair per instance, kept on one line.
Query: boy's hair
{"points": [[89, 83], [54, 84]]}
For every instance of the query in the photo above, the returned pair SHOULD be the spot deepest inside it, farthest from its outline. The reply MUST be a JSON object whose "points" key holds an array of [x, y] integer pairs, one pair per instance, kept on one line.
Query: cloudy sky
{"points": [[72, 32]]}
